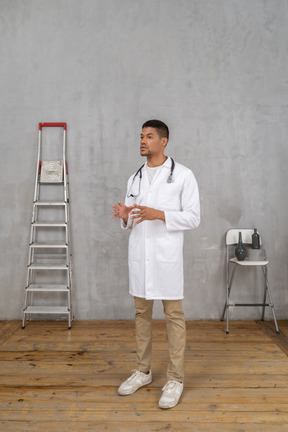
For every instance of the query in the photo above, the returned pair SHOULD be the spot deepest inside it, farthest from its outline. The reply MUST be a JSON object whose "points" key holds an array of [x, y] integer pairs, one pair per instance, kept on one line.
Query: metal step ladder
{"points": [[49, 272]]}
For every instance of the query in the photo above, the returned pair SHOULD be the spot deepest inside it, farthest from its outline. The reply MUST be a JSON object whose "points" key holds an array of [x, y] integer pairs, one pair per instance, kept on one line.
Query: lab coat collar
{"points": [[166, 164]]}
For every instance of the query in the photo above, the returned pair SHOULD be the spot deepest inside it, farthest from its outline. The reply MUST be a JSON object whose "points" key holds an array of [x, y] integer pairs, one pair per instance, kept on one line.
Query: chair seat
{"points": [[246, 262]]}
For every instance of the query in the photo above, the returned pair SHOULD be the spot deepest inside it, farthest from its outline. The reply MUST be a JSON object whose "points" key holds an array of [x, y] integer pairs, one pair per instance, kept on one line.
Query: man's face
{"points": [[151, 144]]}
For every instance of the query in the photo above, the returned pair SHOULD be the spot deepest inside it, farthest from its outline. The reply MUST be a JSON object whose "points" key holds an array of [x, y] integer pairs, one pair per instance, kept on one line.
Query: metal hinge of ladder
{"points": [[48, 257]]}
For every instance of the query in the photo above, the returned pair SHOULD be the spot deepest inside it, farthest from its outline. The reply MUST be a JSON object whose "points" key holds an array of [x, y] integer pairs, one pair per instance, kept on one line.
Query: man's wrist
{"points": [[161, 215]]}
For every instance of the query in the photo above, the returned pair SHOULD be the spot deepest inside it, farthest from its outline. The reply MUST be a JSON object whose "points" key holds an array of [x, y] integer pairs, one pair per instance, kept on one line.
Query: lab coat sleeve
{"points": [[189, 216], [128, 202]]}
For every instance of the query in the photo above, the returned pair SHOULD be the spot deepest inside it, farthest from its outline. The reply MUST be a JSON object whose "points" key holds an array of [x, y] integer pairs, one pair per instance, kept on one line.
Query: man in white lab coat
{"points": [[162, 201]]}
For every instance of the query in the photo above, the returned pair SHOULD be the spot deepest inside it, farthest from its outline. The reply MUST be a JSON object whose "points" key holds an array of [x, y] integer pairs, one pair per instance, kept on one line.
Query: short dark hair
{"points": [[161, 127]]}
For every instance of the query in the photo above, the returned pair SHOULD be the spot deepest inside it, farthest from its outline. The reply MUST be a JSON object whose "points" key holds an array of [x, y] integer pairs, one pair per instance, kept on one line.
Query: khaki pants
{"points": [[176, 331]]}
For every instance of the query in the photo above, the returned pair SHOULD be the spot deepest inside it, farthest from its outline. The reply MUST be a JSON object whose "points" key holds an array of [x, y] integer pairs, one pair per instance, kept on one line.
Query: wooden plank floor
{"points": [[55, 379]]}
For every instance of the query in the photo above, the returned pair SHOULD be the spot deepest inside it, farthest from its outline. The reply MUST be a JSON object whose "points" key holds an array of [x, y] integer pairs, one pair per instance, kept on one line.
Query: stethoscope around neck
{"points": [[169, 179]]}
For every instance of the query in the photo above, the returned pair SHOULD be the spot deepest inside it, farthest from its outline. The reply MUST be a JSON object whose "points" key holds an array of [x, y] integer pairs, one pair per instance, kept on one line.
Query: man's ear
{"points": [[164, 142]]}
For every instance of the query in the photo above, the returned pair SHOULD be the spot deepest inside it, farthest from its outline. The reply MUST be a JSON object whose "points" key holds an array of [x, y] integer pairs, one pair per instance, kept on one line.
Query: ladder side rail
{"points": [[70, 272], [64, 166], [34, 237], [65, 178], [34, 212], [67, 209], [36, 189], [67, 231], [69, 254], [33, 230], [38, 164], [36, 198], [66, 198], [68, 246], [70, 289], [67, 184], [67, 216], [66, 226], [31, 241], [30, 275]]}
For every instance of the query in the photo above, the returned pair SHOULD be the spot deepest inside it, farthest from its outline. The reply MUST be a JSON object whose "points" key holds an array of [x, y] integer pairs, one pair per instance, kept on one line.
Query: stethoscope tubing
{"points": [[139, 171]]}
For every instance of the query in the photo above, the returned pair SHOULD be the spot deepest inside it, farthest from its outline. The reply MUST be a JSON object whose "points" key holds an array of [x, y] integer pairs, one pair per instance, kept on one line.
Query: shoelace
{"points": [[169, 385], [135, 373]]}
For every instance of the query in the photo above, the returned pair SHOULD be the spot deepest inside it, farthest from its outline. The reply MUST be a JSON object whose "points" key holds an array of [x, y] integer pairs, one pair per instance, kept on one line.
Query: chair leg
{"points": [[226, 306], [272, 308], [226, 310], [227, 320], [270, 299], [265, 294]]}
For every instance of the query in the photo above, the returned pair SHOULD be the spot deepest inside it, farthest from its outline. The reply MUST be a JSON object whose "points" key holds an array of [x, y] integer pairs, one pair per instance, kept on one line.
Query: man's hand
{"points": [[121, 211], [143, 213]]}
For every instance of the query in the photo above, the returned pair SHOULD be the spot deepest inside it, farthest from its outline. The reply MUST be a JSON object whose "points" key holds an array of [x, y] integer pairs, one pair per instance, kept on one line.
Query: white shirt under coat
{"points": [[155, 255]]}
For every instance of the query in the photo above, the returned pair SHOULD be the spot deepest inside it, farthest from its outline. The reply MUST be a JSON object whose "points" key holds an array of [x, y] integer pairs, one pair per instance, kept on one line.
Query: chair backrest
{"points": [[232, 236]]}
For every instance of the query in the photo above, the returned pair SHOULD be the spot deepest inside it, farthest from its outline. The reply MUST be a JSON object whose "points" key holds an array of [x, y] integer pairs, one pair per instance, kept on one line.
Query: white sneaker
{"points": [[134, 382], [171, 394]]}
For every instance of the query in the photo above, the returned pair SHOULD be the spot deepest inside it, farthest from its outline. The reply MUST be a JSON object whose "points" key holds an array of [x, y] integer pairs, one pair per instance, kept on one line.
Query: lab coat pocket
{"points": [[134, 250], [169, 197], [168, 248]]}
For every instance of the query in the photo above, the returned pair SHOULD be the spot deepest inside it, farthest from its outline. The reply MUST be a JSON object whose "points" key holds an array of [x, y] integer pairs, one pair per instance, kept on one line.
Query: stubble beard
{"points": [[145, 153]]}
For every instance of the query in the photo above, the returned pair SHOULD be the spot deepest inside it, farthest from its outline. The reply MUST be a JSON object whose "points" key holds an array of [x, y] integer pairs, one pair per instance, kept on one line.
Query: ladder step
{"points": [[46, 310], [50, 258], [51, 183], [49, 224], [48, 267], [48, 245], [47, 288], [49, 203]]}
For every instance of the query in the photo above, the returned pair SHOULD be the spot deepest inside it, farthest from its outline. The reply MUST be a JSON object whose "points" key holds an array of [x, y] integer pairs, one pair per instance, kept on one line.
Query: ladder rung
{"points": [[48, 267], [46, 310], [49, 245], [49, 203], [43, 288], [49, 224], [51, 182], [53, 258]]}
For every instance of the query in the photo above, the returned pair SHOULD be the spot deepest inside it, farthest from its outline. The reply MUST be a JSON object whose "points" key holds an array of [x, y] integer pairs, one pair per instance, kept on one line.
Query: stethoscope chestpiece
{"points": [[170, 178]]}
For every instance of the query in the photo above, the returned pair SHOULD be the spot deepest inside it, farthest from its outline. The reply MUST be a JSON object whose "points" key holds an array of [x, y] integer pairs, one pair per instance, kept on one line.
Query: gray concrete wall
{"points": [[214, 70]]}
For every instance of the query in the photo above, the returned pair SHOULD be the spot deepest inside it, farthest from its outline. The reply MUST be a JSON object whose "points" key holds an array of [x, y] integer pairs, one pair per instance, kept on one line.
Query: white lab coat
{"points": [[155, 254]]}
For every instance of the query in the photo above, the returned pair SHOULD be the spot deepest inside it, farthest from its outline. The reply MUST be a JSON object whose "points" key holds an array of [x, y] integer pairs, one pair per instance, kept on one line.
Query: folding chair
{"points": [[232, 264]]}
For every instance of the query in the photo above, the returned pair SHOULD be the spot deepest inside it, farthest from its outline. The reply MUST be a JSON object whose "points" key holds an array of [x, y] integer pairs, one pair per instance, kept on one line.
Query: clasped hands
{"points": [[140, 213]]}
